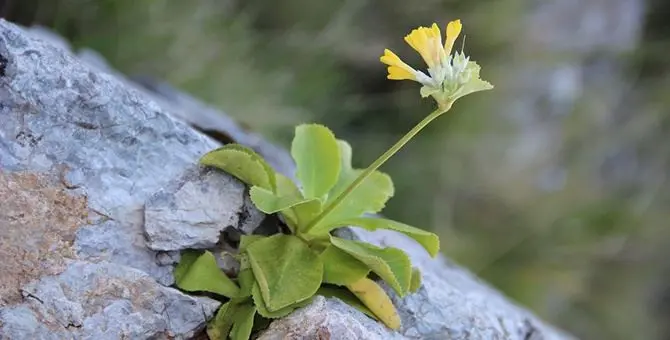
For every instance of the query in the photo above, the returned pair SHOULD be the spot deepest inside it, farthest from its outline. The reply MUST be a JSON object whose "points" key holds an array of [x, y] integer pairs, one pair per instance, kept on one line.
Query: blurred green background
{"points": [[553, 187]]}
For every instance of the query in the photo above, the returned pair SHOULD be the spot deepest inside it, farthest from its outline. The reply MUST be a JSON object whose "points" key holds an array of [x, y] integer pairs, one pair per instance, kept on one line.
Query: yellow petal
{"points": [[425, 41], [453, 31], [397, 73], [414, 39], [437, 52], [435, 32], [390, 58], [397, 69]]}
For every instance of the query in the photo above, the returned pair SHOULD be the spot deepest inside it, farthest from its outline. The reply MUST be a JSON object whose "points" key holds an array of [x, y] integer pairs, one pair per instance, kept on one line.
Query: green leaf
{"points": [[430, 241], [242, 255], [347, 297], [269, 203], [244, 321], [306, 212], [475, 84], [204, 275], [300, 214], [219, 327], [186, 260], [340, 268], [286, 270], [246, 281], [285, 188], [428, 90], [369, 197], [262, 309], [391, 264], [243, 163], [415, 283], [316, 155]]}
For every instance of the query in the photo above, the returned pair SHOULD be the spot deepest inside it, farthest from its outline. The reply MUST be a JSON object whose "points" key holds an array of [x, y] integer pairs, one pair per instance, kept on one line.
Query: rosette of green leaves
{"points": [[284, 271]]}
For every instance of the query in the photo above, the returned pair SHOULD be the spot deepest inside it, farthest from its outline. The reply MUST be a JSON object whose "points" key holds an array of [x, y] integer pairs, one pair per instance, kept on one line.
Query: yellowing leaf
{"points": [[340, 268], [243, 163], [202, 274], [317, 156], [286, 270], [375, 298], [369, 197], [430, 241], [415, 283], [219, 327], [391, 264], [243, 322], [347, 297]]}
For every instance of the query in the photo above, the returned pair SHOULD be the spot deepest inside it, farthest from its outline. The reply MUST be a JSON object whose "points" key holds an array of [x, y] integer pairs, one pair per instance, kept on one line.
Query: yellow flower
{"points": [[449, 77]]}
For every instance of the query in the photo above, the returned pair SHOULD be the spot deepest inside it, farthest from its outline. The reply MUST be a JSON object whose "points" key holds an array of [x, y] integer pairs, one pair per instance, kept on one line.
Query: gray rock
{"points": [[80, 153], [123, 243], [104, 301], [327, 318], [22, 322], [211, 121], [193, 211], [49, 36], [454, 304]]}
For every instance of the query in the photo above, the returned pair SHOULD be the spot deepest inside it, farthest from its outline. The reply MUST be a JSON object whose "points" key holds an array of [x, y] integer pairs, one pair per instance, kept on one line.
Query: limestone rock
{"points": [[327, 319], [80, 153], [194, 210], [103, 301]]}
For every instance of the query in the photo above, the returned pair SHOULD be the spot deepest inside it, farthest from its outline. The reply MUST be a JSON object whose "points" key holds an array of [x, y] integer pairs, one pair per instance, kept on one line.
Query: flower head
{"points": [[449, 76]]}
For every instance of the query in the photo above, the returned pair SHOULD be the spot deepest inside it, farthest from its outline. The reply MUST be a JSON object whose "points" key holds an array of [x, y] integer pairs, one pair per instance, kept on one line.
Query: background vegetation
{"points": [[576, 231]]}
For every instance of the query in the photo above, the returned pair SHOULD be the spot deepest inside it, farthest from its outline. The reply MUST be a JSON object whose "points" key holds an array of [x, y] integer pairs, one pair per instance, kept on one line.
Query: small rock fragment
{"points": [[193, 210]]}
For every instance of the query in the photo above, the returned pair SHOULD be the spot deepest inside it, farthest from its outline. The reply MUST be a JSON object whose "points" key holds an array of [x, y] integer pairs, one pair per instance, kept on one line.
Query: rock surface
{"points": [[194, 210], [103, 301], [82, 151]]}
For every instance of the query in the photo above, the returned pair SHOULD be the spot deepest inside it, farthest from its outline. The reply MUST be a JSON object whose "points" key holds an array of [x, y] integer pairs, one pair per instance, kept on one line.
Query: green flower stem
{"points": [[377, 163]]}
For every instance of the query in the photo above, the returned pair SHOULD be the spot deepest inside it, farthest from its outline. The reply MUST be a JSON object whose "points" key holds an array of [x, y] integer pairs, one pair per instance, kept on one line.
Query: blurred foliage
{"points": [[587, 254]]}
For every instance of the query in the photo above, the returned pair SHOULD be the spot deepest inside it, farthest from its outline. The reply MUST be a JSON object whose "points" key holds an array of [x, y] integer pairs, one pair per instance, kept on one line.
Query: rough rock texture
{"points": [[75, 142], [327, 319], [452, 303], [111, 147], [213, 123], [103, 301], [37, 209], [193, 211]]}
